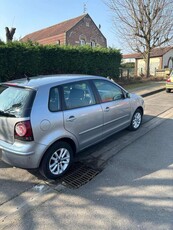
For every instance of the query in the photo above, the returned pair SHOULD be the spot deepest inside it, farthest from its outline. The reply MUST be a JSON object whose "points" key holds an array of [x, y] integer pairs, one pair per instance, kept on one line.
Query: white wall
{"points": [[140, 67], [155, 63]]}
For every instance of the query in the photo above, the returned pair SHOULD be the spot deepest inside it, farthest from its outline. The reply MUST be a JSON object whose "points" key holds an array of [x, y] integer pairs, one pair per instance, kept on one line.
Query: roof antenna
{"points": [[13, 21], [84, 8]]}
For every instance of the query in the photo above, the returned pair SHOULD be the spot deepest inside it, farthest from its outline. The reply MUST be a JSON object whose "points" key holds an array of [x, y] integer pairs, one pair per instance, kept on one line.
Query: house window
{"points": [[93, 43], [82, 42], [58, 42], [87, 24], [82, 39]]}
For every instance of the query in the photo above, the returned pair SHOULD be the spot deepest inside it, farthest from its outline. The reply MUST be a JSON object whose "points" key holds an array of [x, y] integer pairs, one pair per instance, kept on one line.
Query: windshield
{"points": [[15, 101]]}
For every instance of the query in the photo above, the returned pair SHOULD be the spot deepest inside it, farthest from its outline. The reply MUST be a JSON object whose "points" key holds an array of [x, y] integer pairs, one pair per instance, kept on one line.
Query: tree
{"points": [[143, 24], [9, 34]]}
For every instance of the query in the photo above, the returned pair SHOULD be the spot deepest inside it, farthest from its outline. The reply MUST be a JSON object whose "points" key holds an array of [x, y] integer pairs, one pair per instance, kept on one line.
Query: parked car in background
{"points": [[169, 83], [46, 120]]}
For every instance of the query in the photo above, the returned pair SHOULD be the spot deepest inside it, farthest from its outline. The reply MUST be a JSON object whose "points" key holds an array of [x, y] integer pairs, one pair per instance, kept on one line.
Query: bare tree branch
{"points": [[143, 24]]}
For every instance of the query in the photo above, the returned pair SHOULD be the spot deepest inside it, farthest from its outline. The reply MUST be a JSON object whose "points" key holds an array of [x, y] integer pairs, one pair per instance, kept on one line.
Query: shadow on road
{"points": [[135, 188]]}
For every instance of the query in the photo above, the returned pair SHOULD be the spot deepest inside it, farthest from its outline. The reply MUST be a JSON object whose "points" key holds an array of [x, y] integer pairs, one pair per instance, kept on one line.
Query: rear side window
{"points": [[15, 101], [54, 102], [78, 94]]}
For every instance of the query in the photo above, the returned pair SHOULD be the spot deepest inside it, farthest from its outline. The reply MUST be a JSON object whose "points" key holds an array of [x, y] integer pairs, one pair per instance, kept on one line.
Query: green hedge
{"points": [[18, 59], [128, 65]]}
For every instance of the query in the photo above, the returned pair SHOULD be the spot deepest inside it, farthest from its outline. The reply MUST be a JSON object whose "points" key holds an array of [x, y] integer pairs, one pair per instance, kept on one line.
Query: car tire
{"points": [[168, 90], [56, 161], [136, 120]]}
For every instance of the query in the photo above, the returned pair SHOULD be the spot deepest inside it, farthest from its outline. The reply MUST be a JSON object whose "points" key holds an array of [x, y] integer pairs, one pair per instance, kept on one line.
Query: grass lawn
{"points": [[137, 85]]}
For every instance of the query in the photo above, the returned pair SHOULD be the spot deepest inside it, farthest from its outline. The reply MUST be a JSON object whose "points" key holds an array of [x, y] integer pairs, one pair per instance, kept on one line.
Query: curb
{"points": [[152, 92]]}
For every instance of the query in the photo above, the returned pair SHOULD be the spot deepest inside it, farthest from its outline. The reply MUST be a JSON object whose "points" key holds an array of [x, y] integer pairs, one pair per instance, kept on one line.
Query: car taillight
{"points": [[168, 80], [23, 131]]}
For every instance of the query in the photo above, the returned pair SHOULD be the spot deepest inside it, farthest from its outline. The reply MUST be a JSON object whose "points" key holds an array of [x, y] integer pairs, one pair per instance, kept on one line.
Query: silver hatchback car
{"points": [[46, 120]]}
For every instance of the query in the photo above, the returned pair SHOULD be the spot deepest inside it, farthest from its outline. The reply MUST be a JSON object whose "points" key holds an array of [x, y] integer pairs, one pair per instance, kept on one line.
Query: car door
{"points": [[116, 107], [83, 117]]}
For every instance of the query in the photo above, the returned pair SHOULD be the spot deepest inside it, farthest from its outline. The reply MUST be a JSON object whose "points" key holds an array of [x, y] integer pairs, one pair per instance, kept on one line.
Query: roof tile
{"points": [[53, 30], [156, 52]]}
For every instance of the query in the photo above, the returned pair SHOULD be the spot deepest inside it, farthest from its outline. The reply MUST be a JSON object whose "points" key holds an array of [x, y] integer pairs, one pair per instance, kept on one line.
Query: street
{"points": [[134, 189]]}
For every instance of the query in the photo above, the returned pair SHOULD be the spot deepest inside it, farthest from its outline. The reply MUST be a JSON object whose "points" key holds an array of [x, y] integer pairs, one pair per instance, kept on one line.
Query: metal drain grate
{"points": [[78, 175]]}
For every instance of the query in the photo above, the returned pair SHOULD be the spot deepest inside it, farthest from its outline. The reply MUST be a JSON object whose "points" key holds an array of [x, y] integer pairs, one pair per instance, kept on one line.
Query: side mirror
{"points": [[127, 95]]}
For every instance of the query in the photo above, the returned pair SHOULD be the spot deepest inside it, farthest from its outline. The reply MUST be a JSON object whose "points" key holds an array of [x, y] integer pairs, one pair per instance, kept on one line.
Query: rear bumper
{"points": [[22, 155]]}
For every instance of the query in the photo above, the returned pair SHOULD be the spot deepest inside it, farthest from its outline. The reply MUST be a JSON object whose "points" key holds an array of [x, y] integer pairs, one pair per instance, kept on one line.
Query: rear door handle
{"points": [[107, 109], [71, 118]]}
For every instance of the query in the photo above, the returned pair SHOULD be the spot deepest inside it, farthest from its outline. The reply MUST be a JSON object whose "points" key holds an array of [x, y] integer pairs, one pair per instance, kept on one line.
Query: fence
{"points": [[162, 73], [127, 72]]}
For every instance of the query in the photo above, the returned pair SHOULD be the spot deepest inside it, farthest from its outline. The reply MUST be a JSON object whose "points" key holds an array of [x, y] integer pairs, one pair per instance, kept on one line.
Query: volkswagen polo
{"points": [[46, 120]]}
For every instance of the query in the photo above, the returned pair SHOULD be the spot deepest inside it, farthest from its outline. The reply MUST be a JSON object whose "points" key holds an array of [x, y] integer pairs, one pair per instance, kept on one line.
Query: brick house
{"points": [[77, 31], [160, 58]]}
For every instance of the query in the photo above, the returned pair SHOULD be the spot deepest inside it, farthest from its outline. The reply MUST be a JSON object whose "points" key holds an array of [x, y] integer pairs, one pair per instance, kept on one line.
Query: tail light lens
{"points": [[23, 131], [168, 80]]}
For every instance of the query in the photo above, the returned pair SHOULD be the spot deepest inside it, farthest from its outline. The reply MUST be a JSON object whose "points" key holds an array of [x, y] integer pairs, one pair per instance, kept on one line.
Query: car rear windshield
{"points": [[15, 101]]}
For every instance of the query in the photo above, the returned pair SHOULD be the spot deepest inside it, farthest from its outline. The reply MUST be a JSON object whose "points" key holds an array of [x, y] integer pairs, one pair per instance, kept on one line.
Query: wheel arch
{"points": [[141, 109], [70, 142], [65, 139]]}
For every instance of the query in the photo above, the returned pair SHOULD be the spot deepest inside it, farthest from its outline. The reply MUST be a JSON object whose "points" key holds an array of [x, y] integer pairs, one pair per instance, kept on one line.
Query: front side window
{"points": [[78, 94], [15, 101], [108, 91]]}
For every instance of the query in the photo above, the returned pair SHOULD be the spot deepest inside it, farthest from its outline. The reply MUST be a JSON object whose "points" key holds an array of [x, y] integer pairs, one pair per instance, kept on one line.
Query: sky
{"points": [[28, 16]]}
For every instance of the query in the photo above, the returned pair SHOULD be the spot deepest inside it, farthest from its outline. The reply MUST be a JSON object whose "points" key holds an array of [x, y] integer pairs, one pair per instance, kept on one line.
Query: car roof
{"points": [[50, 80]]}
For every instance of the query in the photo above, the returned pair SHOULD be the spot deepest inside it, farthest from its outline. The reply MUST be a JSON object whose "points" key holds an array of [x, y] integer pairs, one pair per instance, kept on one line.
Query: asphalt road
{"points": [[134, 190]]}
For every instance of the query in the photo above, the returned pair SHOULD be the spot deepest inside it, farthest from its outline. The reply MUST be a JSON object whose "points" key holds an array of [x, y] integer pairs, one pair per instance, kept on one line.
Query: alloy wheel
{"points": [[137, 120], [59, 161]]}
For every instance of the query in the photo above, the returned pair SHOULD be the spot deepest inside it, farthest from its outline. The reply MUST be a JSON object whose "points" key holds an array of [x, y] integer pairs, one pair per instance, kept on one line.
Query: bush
{"points": [[128, 65], [18, 59]]}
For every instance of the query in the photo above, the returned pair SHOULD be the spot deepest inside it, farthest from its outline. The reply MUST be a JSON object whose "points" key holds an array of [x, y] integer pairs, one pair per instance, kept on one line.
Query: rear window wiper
{"points": [[17, 105], [2, 113]]}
